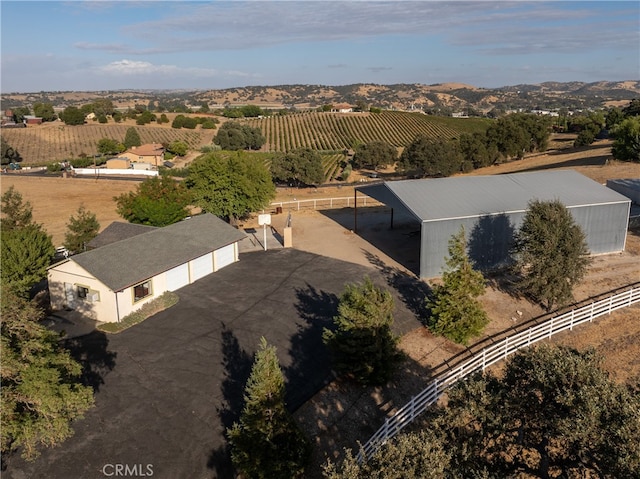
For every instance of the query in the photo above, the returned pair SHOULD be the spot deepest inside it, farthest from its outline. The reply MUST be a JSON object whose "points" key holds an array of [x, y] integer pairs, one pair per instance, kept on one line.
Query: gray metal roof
{"points": [[127, 262], [117, 231], [471, 196]]}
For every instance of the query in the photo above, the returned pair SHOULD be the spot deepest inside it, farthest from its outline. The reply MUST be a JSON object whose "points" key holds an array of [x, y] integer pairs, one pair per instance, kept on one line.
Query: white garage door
{"points": [[178, 277], [224, 256], [201, 266]]}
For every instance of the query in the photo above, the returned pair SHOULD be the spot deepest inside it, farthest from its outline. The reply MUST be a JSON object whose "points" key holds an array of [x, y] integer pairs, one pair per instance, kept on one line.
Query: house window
{"points": [[141, 291], [87, 294]]}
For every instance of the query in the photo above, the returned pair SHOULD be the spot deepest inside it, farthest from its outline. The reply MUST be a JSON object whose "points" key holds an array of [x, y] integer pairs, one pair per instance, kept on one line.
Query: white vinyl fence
{"points": [[492, 354], [324, 203]]}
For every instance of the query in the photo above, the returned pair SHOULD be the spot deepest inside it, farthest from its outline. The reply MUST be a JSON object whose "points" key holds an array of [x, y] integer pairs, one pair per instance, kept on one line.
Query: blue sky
{"points": [[98, 45]]}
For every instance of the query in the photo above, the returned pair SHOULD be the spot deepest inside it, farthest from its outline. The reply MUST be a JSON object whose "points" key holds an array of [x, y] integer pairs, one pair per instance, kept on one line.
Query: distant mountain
{"points": [[442, 98]]}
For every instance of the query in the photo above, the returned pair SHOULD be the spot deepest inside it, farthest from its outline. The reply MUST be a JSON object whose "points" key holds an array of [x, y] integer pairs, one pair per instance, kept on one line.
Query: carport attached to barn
{"points": [[491, 209]]}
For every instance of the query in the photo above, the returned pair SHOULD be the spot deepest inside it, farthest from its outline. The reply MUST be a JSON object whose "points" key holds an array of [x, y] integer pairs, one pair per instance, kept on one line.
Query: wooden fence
{"points": [[492, 354]]}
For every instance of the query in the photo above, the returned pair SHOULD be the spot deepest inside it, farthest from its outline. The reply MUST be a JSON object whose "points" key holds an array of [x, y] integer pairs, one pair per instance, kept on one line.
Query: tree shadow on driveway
{"points": [[91, 351], [236, 363]]}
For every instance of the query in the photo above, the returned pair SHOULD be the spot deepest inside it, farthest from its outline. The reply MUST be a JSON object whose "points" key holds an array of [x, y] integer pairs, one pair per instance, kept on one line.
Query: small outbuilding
{"points": [[491, 209], [119, 277]]}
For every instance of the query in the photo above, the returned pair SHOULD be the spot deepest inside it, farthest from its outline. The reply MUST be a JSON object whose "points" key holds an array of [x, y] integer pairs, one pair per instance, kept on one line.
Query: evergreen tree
{"points": [[551, 254], [267, 443], [41, 390], [81, 229], [131, 138], [157, 201], [455, 312], [15, 213], [25, 255], [363, 345]]}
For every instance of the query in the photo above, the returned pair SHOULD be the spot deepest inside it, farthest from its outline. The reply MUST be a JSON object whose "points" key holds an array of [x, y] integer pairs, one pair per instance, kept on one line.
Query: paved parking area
{"points": [[168, 387]]}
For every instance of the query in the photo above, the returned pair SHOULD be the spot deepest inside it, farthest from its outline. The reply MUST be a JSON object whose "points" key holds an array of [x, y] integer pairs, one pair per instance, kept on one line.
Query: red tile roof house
{"points": [[119, 277], [151, 153]]}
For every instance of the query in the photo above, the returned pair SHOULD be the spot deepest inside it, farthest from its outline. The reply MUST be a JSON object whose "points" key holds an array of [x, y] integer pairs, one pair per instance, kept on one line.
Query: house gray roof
{"points": [[471, 196], [118, 231], [128, 262]]}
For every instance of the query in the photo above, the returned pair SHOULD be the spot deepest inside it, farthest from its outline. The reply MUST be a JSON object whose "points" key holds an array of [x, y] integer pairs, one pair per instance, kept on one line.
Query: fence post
{"points": [[484, 359], [610, 303], [591, 315], [630, 297], [573, 311], [298, 206], [551, 327], [506, 346]]}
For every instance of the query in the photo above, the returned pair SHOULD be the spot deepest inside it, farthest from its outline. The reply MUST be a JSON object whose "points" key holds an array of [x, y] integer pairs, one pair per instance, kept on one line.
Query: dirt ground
{"points": [[343, 413]]}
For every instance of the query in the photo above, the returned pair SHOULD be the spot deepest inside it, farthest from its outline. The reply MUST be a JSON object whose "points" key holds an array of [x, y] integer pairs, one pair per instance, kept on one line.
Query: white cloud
{"points": [[143, 68]]}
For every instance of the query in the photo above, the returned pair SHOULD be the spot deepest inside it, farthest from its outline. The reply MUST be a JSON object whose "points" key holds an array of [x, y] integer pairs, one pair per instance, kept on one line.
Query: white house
{"points": [[114, 280]]}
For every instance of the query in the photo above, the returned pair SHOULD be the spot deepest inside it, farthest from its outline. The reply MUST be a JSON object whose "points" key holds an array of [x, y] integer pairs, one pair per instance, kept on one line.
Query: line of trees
{"points": [[509, 137]]}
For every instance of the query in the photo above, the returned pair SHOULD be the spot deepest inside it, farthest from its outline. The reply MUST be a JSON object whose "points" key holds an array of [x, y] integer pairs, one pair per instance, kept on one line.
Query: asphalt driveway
{"points": [[167, 388]]}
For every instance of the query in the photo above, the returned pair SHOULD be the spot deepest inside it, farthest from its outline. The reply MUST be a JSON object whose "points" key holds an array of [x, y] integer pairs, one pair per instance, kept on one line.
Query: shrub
{"points": [[162, 302]]}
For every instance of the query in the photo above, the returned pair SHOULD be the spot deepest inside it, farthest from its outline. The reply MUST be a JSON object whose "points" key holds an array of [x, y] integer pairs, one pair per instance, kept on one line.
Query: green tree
{"points": [[553, 413], [81, 229], [476, 152], [25, 255], [430, 157], [414, 455], [41, 390], [72, 116], [178, 148], [362, 343], [376, 154], [131, 138], [44, 111], [19, 113], [302, 167], [230, 185], [613, 117], [550, 252], [249, 111], [157, 201], [108, 146], [632, 109], [8, 154], [15, 213], [455, 312], [626, 145], [267, 443], [234, 136], [178, 121]]}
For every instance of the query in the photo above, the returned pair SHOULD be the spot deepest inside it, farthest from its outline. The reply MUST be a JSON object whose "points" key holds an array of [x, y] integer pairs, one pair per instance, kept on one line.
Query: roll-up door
{"points": [[201, 266], [178, 277], [224, 256]]}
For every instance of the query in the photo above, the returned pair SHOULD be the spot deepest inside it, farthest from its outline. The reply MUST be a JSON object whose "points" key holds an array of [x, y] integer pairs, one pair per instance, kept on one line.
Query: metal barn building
{"points": [[491, 209]]}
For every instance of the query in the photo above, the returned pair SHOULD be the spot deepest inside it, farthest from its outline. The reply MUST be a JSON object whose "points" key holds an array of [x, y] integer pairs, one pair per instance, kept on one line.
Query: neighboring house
{"points": [[152, 153], [32, 120], [118, 278], [342, 108]]}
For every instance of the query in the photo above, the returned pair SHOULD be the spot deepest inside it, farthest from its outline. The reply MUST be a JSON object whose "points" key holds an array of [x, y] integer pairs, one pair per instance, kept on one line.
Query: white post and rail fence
{"points": [[492, 354]]}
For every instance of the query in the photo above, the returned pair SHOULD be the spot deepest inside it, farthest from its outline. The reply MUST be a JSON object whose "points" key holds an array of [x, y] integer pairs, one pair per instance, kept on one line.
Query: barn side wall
{"points": [[490, 237]]}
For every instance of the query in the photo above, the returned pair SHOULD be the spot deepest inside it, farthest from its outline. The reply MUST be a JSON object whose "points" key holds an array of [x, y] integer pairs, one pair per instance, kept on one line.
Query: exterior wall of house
{"points": [[119, 163], [155, 160], [64, 280], [103, 304]]}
